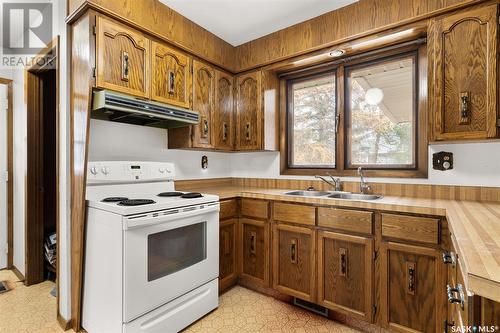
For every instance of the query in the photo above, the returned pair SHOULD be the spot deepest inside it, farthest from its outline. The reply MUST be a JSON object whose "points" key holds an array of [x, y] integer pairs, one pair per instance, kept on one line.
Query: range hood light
{"points": [[391, 37]]}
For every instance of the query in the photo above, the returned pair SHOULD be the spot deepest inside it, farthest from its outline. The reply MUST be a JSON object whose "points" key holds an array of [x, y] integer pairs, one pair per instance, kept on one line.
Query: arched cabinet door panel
{"points": [[122, 58], [463, 75], [172, 76], [249, 111]]}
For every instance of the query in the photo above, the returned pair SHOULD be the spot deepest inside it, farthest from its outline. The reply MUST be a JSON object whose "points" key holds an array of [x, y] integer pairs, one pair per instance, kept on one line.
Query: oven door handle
{"points": [[150, 219]]}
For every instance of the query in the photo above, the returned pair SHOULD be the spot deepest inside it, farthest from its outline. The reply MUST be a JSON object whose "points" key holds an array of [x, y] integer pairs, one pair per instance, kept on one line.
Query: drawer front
{"points": [[346, 220], [255, 208], [228, 209], [412, 228], [292, 213]]}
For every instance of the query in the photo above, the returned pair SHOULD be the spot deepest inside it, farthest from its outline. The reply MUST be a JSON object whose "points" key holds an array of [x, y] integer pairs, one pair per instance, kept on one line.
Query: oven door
{"points": [[167, 254]]}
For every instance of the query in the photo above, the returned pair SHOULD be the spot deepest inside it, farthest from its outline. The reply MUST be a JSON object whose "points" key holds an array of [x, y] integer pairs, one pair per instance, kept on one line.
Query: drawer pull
{"points": [[456, 295], [410, 277], [343, 261], [253, 243], [204, 133], [449, 258], [125, 65], [293, 251], [464, 108], [247, 132]]}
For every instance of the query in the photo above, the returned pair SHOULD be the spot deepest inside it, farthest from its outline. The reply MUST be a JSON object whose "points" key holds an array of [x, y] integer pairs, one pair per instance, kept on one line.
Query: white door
{"points": [[3, 175]]}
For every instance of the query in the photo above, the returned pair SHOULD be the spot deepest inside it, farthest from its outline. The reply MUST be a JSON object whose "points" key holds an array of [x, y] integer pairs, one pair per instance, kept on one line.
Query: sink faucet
{"points": [[335, 182], [364, 187]]}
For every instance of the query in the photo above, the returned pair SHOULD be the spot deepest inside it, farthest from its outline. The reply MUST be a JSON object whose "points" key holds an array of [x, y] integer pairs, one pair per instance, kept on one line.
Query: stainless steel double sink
{"points": [[335, 195]]}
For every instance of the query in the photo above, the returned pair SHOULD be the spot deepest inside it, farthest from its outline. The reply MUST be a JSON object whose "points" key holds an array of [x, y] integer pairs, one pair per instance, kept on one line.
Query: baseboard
{"points": [[17, 273], [65, 324]]}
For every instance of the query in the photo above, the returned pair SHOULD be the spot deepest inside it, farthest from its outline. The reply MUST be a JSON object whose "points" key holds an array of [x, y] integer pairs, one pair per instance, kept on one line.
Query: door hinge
{"points": [[498, 122], [94, 72], [94, 29], [375, 254]]}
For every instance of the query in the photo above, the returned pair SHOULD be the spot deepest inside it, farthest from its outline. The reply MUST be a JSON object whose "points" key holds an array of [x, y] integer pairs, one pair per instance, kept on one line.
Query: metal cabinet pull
{"points": [[456, 295], [204, 132], [449, 258], [343, 262], [171, 82], [410, 277], [293, 251], [464, 108], [125, 65], [337, 121], [253, 243], [224, 131], [247, 131]]}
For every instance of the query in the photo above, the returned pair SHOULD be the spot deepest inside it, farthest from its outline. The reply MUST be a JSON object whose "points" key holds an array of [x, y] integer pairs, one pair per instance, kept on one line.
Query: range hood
{"points": [[112, 106]]}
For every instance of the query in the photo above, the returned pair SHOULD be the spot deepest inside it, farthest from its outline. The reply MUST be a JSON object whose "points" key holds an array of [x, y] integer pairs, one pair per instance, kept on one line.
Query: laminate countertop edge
{"points": [[474, 225]]}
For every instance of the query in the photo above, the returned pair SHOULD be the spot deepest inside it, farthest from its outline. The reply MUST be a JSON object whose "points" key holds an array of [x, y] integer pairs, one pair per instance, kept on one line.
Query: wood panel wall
{"points": [[446, 192], [160, 21], [335, 27]]}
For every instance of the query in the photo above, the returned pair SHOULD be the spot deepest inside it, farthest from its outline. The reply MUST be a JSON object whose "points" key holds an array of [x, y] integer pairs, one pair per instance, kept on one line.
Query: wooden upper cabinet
{"points": [[249, 111], [172, 79], [203, 103], [122, 58], [463, 81], [224, 111]]}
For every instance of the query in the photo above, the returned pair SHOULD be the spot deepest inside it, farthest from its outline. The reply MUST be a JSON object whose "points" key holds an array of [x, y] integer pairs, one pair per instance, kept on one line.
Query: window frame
{"points": [[290, 116], [420, 170]]}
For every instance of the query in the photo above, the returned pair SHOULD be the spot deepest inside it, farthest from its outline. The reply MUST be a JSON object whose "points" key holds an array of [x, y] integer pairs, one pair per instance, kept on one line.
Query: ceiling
{"points": [[240, 21]]}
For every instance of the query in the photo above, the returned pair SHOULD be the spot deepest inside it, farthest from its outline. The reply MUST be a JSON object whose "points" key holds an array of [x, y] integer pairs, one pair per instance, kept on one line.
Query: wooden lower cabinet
{"points": [[228, 272], [411, 285], [254, 249], [345, 274], [294, 261]]}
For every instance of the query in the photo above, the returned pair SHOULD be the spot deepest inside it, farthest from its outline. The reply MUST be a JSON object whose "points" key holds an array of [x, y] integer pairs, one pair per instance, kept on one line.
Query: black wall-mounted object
{"points": [[204, 162], [442, 161]]}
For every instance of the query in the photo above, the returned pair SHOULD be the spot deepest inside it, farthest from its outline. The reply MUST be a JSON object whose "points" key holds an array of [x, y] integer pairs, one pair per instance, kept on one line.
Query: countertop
{"points": [[475, 227]]}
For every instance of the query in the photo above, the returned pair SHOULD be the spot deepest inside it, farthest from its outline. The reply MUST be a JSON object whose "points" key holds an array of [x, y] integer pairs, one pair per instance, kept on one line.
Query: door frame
{"points": [[10, 174], [51, 51]]}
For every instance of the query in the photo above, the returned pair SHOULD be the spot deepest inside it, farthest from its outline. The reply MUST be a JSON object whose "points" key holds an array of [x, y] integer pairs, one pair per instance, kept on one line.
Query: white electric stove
{"points": [[151, 255]]}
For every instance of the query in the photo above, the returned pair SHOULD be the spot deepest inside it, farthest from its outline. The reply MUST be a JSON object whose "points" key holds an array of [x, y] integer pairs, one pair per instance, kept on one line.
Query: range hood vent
{"points": [[112, 106]]}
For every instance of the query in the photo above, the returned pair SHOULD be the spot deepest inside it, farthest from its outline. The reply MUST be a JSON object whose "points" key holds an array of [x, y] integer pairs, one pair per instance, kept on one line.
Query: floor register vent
{"points": [[3, 287], [318, 309]]}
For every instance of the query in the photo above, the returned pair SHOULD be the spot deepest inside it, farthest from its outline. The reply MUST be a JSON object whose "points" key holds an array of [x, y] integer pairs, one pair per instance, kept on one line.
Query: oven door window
{"points": [[173, 250]]}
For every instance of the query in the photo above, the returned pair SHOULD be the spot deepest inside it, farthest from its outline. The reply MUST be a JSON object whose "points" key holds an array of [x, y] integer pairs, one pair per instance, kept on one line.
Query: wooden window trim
{"points": [[421, 141]]}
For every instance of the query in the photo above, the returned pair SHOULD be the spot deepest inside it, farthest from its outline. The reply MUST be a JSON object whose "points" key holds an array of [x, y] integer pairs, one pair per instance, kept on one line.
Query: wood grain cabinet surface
{"points": [[122, 58], [463, 87], [254, 250], [223, 121], [172, 79], [249, 111], [294, 261], [345, 274], [204, 104], [228, 271], [412, 288]]}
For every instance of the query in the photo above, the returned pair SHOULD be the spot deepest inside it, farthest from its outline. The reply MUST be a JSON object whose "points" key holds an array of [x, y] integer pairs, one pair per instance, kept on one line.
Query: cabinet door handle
{"points": [[337, 121], [171, 81], [456, 295], [343, 262], [205, 128], [224, 131], [253, 243], [225, 237], [449, 258], [410, 277], [464, 108], [247, 131], [125, 65], [293, 251]]}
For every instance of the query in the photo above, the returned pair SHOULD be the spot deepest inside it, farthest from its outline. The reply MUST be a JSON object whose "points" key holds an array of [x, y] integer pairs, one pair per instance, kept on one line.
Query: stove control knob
{"points": [[161, 170], [105, 170], [169, 171], [93, 170]]}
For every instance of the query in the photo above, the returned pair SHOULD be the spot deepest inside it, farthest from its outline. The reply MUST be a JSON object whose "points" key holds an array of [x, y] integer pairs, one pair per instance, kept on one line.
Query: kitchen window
{"points": [[366, 112]]}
